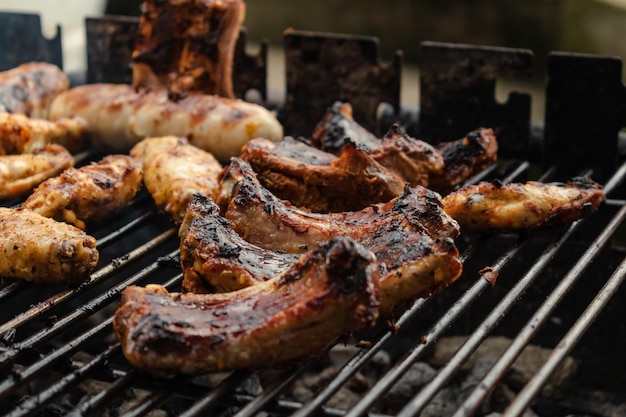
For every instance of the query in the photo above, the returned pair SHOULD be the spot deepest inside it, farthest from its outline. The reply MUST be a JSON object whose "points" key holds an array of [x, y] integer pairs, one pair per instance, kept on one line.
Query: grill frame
{"points": [[41, 339]]}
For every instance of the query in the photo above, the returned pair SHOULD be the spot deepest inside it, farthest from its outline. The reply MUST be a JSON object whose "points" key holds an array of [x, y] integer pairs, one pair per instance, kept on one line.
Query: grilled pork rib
{"points": [[338, 124], [89, 194], [267, 221], [463, 158], [497, 207], [192, 51], [319, 181], [214, 258], [119, 116], [19, 174], [21, 134], [328, 292], [30, 88], [42, 250], [174, 171]]}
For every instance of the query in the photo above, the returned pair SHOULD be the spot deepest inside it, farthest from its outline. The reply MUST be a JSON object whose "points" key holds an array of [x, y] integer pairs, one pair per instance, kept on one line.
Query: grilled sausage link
{"points": [[42, 250], [120, 116], [30, 88]]}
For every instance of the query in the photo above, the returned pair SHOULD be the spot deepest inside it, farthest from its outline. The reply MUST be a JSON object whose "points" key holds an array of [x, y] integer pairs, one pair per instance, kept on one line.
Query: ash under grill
{"points": [[553, 296]]}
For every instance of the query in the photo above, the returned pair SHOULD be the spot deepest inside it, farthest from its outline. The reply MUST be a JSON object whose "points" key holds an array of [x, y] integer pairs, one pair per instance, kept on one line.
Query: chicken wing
{"points": [[21, 134], [87, 195], [497, 207], [42, 250], [267, 221], [328, 292], [319, 181], [174, 171], [30, 88], [19, 174]]}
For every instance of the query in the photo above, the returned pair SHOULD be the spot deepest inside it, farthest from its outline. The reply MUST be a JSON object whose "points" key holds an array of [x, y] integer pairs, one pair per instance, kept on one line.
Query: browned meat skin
{"points": [[21, 134], [351, 181], [120, 116], [463, 158], [42, 250], [336, 126], [19, 174], [187, 45], [497, 207], [267, 221], [213, 254], [174, 171], [328, 292], [87, 195], [30, 88], [214, 258], [411, 159]]}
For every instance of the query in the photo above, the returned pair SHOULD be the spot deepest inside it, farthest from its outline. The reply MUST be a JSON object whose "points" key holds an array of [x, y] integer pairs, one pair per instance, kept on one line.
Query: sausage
{"points": [[30, 88], [119, 116]]}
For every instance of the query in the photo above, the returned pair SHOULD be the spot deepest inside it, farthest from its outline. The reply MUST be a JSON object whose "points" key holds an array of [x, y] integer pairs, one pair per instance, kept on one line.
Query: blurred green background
{"points": [[586, 26]]}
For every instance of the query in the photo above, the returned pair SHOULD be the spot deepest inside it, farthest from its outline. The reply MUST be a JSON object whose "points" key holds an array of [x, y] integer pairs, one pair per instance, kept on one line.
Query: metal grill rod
{"points": [[99, 275], [494, 375], [524, 398]]}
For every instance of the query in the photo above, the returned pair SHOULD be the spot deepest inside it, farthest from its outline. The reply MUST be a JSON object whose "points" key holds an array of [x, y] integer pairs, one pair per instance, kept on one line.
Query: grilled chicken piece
{"points": [[42, 250], [174, 171], [119, 116], [89, 194], [214, 258], [187, 45], [267, 221], [19, 174], [21, 134], [497, 207], [411, 159], [328, 292], [319, 181], [30, 88], [463, 158]]}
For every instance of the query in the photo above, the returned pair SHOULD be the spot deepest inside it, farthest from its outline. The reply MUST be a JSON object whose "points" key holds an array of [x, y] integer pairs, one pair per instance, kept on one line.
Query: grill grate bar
{"points": [[99, 275], [449, 318], [494, 375], [480, 334], [522, 401], [13, 351], [12, 289]]}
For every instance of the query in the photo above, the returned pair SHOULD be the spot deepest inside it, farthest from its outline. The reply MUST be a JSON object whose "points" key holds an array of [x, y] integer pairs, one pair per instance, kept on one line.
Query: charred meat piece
{"points": [[21, 134], [174, 171], [119, 117], [89, 194], [19, 174], [214, 258], [187, 45], [411, 159], [41, 250], [30, 88], [267, 221], [497, 207], [463, 158], [328, 292], [308, 177], [338, 124]]}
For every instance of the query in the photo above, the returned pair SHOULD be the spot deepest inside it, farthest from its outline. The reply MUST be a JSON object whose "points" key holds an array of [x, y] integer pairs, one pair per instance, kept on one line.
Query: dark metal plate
{"points": [[322, 68], [21, 41]]}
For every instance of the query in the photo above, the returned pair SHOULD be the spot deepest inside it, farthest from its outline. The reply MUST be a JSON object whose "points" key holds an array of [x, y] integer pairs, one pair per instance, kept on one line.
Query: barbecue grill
{"points": [[554, 295]]}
